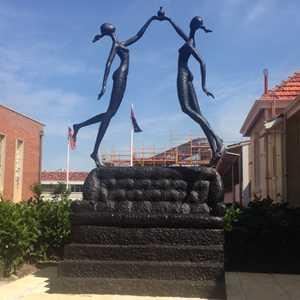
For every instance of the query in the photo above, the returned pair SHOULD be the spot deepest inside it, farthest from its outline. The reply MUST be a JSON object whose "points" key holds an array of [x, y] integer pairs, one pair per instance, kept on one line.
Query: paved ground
{"points": [[253, 286], [239, 286]]}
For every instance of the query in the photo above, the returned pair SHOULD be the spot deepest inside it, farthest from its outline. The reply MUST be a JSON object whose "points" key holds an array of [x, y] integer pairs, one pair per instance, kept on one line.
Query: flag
{"points": [[135, 125], [71, 140]]}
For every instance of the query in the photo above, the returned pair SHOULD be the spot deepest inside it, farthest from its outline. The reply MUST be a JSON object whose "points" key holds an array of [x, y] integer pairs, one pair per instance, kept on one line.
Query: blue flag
{"points": [[135, 125]]}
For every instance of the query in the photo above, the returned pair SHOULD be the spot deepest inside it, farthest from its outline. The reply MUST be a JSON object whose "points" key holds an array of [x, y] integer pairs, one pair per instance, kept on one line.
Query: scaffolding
{"points": [[193, 152]]}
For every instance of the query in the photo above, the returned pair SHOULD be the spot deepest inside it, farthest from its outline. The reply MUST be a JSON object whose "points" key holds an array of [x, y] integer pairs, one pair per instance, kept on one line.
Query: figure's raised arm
{"points": [[177, 29], [140, 33], [107, 70]]}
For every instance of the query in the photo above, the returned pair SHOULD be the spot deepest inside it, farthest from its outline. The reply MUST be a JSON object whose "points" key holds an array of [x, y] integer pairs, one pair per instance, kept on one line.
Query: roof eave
{"points": [[252, 115], [255, 111], [23, 115]]}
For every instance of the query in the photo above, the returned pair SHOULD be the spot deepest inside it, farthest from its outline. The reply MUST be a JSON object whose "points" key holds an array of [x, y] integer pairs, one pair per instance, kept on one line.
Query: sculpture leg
{"points": [[115, 101], [194, 106], [189, 105], [101, 132], [93, 120], [208, 130]]}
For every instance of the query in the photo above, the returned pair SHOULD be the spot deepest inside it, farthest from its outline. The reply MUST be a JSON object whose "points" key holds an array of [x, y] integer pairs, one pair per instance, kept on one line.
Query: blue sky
{"points": [[50, 70]]}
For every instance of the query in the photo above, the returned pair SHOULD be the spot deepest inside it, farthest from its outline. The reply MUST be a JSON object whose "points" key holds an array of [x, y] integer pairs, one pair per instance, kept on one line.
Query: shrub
{"points": [[54, 227], [18, 233], [263, 238], [231, 215], [30, 231]]}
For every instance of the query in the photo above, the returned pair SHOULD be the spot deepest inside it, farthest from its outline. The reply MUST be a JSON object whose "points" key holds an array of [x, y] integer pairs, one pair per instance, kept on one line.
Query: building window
{"points": [[2, 163], [76, 188], [48, 188], [18, 171]]}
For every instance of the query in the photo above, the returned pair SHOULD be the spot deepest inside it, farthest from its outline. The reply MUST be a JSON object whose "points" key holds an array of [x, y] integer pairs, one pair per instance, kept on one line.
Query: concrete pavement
{"points": [[239, 286]]}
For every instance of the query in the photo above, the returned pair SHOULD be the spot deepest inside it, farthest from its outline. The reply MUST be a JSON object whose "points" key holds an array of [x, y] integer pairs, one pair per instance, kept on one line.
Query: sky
{"points": [[51, 71]]}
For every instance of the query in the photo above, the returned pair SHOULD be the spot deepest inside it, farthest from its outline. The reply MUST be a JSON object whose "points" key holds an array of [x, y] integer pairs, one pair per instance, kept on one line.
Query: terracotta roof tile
{"points": [[287, 90], [61, 176]]}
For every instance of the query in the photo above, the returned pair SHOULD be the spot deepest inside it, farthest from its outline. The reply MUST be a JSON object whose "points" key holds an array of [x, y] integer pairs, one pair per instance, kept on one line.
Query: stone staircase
{"points": [[174, 261]]}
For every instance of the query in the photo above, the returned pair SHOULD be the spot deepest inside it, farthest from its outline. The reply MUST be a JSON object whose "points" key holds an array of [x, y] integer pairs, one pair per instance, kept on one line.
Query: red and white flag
{"points": [[71, 140]]}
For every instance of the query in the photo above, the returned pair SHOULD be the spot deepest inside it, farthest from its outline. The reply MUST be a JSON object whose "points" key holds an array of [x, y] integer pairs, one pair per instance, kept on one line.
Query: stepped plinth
{"points": [[148, 231]]}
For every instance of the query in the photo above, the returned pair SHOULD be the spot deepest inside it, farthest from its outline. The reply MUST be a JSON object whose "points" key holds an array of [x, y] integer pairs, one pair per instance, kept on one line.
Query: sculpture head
{"points": [[196, 23], [105, 29]]}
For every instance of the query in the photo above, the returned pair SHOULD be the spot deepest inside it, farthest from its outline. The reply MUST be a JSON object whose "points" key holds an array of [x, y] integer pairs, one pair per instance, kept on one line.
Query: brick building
{"points": [[20, 154]]}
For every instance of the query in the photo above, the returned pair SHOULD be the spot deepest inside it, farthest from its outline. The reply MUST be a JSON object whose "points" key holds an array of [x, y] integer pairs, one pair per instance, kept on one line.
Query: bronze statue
{"points": [[119, 82], [185, 88]]}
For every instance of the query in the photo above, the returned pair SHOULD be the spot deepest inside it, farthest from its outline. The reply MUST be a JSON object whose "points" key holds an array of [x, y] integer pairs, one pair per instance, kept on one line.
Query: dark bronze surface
{"points": [[149, 223], [154, 191], [185, 88], [120, 49]]}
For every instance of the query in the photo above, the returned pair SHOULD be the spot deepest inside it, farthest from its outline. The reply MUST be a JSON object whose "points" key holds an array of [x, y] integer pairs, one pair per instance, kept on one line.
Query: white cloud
{"points": [[256, 11], [33, 99]]}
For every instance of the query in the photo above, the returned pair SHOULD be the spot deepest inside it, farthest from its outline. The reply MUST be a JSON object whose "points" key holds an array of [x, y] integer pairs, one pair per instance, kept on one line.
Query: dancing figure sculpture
{"points": [[119, 82], [185, 88]]}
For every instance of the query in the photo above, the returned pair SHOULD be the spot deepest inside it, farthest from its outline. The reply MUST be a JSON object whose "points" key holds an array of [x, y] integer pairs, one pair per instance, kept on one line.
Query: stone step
{"points": [[84, 214], [210, 289], [105, 235], [144, 252], [142, 270]]}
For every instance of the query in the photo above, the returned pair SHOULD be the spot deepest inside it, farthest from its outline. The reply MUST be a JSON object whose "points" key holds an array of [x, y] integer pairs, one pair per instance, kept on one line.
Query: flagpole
{"points": [[68, 164], [131, 148], [131, 140]]}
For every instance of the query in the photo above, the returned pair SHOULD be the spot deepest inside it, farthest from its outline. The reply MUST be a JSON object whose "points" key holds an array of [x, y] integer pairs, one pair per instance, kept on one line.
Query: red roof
{"points": [[61, 176], [287, 90]]}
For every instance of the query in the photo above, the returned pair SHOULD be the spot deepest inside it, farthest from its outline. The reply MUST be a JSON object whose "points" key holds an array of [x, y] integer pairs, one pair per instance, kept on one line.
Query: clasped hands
{"points": [[160, 15]]}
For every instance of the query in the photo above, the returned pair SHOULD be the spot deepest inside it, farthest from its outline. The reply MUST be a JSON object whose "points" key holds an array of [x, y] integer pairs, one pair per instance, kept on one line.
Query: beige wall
{"points": [[246, 182], [274, 179], [258, 156], [266, 160]]}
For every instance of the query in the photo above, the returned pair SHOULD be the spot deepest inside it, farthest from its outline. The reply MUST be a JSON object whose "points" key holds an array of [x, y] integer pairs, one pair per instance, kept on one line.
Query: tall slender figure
{"points": [[119, 82], [185, 88]]}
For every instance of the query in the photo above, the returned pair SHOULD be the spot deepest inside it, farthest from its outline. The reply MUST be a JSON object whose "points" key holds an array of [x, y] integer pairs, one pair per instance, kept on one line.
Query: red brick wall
{"points": [[16, 126]]}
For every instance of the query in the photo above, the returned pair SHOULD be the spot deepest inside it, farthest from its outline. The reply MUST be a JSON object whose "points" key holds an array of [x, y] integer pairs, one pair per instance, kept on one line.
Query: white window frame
{"points": [[18, 190]]}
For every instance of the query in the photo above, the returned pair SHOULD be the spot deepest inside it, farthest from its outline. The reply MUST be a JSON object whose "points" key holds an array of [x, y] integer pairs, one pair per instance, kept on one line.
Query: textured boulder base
{"points": [[147, 231]]}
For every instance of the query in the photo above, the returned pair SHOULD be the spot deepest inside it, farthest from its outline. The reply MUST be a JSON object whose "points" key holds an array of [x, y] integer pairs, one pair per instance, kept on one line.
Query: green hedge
{"points": [[263, 237], [32, 231]]}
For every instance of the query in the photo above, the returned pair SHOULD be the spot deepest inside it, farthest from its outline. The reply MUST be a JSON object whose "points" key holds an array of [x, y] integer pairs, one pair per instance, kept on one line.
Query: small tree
{"points": [[60, 191], [37, 190]]}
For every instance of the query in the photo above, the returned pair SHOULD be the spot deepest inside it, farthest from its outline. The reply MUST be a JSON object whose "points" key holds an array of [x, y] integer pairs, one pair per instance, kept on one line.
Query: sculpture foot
{"points": [[217, 156], [213, 162], [221, 150], [95, 157]]}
